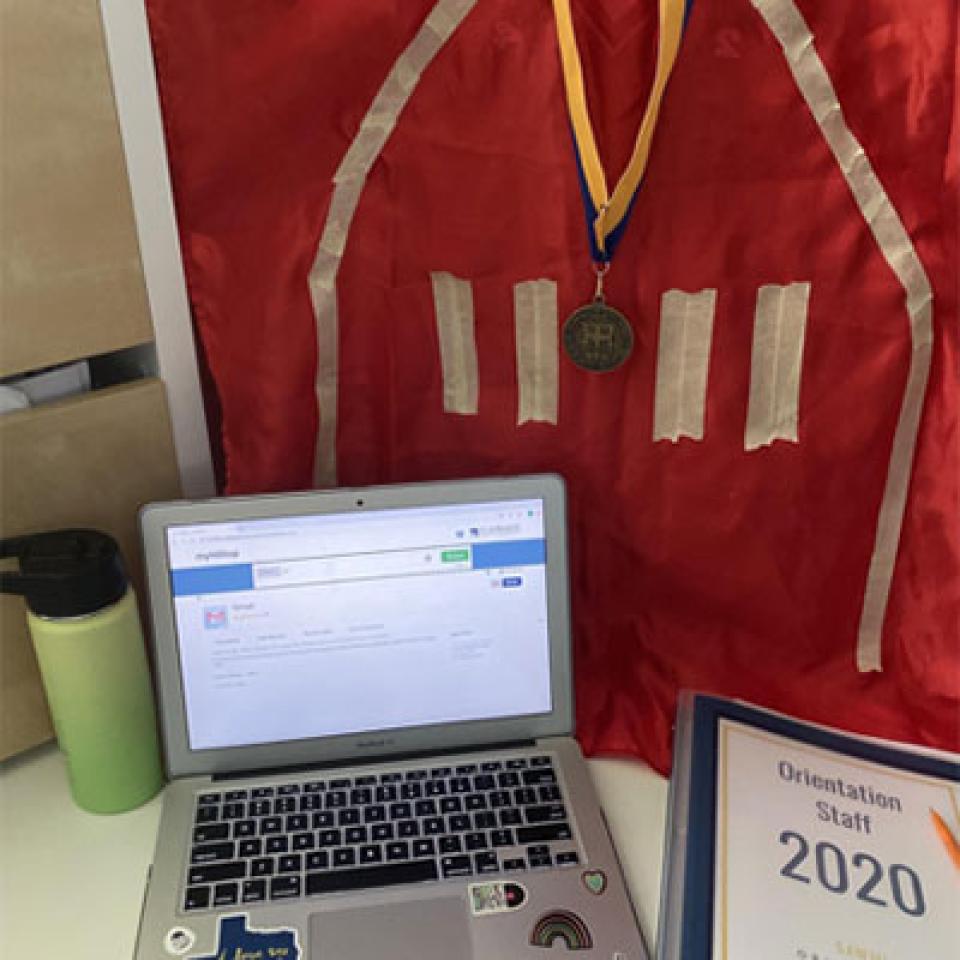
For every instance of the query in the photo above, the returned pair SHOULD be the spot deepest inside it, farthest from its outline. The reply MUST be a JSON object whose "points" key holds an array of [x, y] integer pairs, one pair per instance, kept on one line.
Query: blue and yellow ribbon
{"points": [[607, 213]]}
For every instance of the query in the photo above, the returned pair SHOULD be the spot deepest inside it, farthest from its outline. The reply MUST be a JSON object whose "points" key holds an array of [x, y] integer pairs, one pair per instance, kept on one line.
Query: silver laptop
{"points": [[367, 714]]}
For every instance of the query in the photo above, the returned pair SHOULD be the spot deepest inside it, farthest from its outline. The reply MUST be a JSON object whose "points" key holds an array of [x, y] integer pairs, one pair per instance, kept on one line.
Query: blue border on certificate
{"points": [[698, 884]]}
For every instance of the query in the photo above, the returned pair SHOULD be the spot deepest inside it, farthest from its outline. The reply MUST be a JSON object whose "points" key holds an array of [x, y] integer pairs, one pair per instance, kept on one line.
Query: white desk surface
{"points": [[71, 882]]}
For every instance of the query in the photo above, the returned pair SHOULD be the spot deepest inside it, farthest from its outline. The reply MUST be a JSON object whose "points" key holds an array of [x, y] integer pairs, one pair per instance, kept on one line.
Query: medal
{"points": [[597, 337]]}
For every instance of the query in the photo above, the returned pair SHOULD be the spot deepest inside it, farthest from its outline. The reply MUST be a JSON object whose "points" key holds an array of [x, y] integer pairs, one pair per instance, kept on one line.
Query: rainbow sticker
{"points": [[561, 925]]}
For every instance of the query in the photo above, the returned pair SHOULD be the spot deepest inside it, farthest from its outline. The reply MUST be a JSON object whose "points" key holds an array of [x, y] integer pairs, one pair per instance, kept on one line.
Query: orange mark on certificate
{"points": [[947, 838]]}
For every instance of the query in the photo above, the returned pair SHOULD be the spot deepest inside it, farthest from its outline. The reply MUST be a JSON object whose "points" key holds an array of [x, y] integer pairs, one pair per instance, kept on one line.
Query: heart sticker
{"points": [[595, 881]]}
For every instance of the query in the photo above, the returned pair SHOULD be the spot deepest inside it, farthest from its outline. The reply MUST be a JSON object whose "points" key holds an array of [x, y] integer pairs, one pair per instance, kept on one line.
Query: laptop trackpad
{"points": [[434, 929]]}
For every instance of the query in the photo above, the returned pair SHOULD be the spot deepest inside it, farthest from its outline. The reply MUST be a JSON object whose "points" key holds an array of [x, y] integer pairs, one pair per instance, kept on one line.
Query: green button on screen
{"points": [[454, 556]]}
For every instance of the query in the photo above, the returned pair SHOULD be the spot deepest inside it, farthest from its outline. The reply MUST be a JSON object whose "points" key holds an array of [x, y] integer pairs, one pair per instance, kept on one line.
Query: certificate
{"points": [[824, 856], [790, 841]]}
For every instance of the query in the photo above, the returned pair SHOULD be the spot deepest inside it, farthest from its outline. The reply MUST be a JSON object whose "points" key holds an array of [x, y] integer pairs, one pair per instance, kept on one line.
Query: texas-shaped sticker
{"points": [[238, 942]]}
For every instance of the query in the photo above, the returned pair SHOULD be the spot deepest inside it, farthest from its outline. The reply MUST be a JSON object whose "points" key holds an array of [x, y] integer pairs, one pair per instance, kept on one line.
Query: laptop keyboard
{"points": [[284, 841]]}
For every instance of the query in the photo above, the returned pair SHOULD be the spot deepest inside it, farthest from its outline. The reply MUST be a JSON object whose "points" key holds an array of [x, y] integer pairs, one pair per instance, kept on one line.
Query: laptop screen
{"points": [[297, 627]]}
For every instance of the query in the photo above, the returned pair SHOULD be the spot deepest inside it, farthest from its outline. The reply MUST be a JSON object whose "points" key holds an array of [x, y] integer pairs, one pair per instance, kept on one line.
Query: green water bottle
{"points": [[85, 627]]}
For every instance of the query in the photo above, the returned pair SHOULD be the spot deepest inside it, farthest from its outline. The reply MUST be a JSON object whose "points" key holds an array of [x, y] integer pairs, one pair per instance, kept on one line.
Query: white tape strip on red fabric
{"points": [[536, 323], [788, 26], [453, 306], [349, 180], [683, 362], [779, 327]]}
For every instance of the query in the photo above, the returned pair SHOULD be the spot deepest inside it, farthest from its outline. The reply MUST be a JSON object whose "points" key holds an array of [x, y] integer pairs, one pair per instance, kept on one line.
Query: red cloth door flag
{"points": [[383, 230]]}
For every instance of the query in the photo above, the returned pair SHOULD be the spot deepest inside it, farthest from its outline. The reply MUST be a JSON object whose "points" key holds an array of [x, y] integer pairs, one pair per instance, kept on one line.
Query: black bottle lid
{"points": [[65, 573]]}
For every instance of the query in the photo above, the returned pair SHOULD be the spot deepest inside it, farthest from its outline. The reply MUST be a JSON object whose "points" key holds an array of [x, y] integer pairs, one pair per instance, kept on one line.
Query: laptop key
{"points": [[517, 863], [510, 817], [546, 812], [361, 878], [254, 891], [567, 859], [344, 857], [451, 805], [314, 786], [475, 841], [207, 815], [235, 795], [400, 811], [548, 793], [486, 862], [244, 828], [524, 796], [310, 802], [375, 814], [295, 822], [426, 808], [502, 838], [209, 833], [476, 801], [538, 776], [224, 894], [233, 811], [329, 838], [303, 841], [434, 826], [391, 777], [408, 828], [283, 888], [517, 763], [500, 798], [398, 850], [318, 861], [288, 788], [250, 848], [466, 769], [484, 782], [460, 784], [262, 867], [541, 862], [291, 863], [259, 793], [270, 825], [450, 844], [355, 835], [371, 853], [204, 799], [491, 766], [540, 762], [210, 852], [340, 784], [543, 833], [509, 778], [196, 898], [456, 866], [386, 794], [368, 780], [382, 831], [258, 808], [334, 799], [322, 819], [411, 791], [278, 844], [285, 805], [424, 847], [435, 788], [460, 822], [484, 820], [216, 872]]}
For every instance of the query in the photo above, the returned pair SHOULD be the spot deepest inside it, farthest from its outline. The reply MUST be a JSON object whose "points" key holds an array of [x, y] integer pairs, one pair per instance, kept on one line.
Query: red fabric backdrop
{"points": [[694, 563]]}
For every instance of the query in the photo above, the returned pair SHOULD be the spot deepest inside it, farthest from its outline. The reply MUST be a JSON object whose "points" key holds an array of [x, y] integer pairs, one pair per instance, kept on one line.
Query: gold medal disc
{"points": [[597, 337]]}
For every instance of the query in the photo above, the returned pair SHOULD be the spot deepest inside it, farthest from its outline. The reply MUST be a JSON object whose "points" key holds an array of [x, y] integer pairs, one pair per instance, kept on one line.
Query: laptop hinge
{"points": [[372, 759]]}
